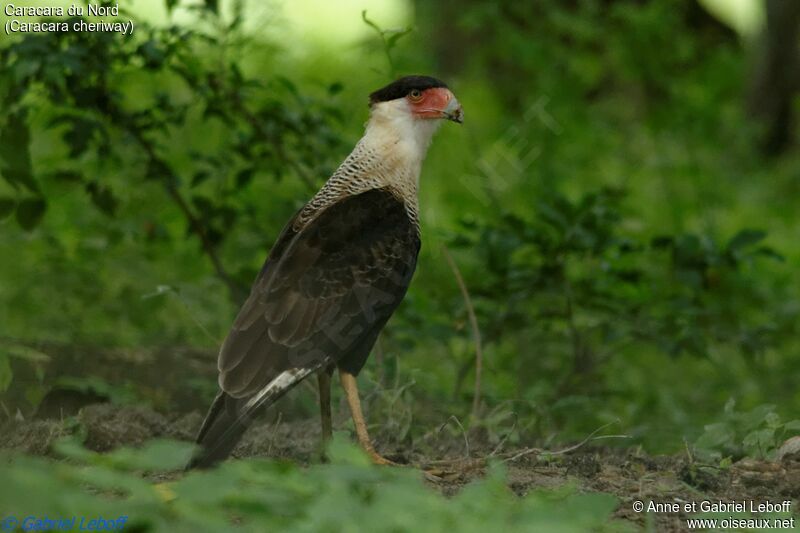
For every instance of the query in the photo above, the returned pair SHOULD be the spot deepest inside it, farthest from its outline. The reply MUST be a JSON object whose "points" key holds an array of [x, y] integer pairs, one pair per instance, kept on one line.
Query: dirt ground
{"points": [[629, 474]]}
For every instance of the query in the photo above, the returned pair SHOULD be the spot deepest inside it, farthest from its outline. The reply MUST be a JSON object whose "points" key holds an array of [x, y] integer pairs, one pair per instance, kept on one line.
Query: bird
{"points": [[334, 276]]}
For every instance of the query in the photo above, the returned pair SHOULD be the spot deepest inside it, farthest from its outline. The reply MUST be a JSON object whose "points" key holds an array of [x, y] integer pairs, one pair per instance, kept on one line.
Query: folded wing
{"points": [[324, 293]]}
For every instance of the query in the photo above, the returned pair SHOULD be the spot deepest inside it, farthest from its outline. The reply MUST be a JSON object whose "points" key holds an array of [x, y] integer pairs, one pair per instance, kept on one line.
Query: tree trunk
{"points": [[775, 80]]}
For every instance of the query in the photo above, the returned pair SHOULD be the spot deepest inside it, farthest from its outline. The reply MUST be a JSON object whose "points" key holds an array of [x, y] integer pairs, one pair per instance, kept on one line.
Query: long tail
{"points": [[228, 417], [221, 431]]}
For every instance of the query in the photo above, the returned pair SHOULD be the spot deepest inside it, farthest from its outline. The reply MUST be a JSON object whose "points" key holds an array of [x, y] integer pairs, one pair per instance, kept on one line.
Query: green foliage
{"points": [[629, 254], [117, 102], [33, 358], [755, 433], [389, 39], [256, 495], [571, 279], [114, 392]]}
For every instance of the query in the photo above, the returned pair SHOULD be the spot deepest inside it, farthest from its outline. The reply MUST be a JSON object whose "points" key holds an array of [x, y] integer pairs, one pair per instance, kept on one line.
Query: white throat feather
{"points": [[389, 155]]}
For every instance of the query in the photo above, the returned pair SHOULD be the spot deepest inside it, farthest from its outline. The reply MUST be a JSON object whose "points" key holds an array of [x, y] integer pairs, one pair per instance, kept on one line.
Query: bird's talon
{"points": [[381, 460]]}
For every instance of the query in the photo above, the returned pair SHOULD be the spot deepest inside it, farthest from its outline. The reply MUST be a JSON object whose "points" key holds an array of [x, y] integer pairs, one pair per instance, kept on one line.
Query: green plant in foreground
{"points": [[349, 494], [755, 433]]}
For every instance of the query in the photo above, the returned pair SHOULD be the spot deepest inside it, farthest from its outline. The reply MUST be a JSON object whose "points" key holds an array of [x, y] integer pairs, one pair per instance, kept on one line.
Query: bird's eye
{"points": [[415, 95]]}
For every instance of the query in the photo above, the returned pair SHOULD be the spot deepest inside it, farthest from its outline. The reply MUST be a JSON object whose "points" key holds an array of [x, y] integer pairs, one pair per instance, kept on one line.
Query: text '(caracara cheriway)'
{"points": [[335, 275]]}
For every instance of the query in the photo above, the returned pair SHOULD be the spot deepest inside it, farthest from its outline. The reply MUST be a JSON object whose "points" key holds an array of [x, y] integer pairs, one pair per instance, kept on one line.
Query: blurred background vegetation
{"points": [[621, 204]]}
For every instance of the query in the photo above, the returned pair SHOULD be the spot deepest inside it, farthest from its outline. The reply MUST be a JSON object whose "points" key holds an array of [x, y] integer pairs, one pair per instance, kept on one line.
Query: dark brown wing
{"points": [[324, 292]]}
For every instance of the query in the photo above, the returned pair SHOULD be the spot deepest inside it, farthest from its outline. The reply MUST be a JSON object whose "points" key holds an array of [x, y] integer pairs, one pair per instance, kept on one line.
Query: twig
{"points": [[388, 43], [505, 438], [563, 451], [688, 451], [463, 432], [446, 467], [274, 432], [214, 340], [476, 332]]}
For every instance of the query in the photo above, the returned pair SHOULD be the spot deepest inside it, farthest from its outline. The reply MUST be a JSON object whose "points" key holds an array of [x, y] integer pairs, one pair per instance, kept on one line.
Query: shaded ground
{"points": [[629, 474]]}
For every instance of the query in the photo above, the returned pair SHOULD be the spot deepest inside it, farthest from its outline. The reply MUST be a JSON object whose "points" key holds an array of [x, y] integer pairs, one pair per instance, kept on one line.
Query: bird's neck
{"points": [[389, 156]]}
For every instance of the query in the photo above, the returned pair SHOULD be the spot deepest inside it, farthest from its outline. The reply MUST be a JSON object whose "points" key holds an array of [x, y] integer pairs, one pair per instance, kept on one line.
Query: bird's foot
{"points": [[431, 473], [378, 459]]}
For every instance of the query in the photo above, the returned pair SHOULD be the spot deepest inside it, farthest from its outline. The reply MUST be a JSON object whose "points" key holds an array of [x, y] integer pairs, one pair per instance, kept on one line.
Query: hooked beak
{"points": [[437, 103], [453, 111]]}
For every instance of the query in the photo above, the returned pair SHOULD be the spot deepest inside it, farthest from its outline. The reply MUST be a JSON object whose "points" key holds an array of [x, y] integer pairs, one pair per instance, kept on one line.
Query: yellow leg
{"points": [[351, 392]]}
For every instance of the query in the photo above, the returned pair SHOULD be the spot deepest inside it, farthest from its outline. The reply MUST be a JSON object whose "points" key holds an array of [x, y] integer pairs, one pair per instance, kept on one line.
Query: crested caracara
{"points": [[335, 275]]}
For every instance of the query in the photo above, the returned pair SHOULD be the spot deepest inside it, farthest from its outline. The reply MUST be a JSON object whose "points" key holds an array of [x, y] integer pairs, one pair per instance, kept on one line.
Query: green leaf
{"points": [[118, 393], [71, 448], [157, 170], [792, 425], [591, 508], [26, 353], [79, 135], [30, 212], [152, 54], [756, 416], [15, 158], [759, 441], [772, 420], [103, 198], [212, 5], [7, 205], [69, 176], [662, 241], [199, 177], [715, 436], [392, 40], [771, 253], [745, 238], [244, 177], [342, 451], [204, 206], [158, 454]]}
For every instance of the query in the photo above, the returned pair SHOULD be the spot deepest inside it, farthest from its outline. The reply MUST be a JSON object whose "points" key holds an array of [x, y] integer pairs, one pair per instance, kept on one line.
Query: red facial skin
{"points": [[431, 103]]}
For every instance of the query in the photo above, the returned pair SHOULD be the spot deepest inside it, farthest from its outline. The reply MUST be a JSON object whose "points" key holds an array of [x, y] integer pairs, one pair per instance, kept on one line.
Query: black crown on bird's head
{"points": [[401, 87]]}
